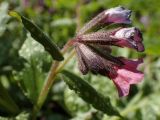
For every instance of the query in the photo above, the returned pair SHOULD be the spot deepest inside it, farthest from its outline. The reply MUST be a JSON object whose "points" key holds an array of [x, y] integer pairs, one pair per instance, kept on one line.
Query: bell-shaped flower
{"points": [[122, 37], [94, 49], [129, 37], [123, 72], [127, 75]]}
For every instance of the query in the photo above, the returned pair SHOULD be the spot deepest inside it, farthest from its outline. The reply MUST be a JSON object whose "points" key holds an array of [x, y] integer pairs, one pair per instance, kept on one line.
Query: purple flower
{"points": [[122, 37], [118, 15], [129, 37], [113, 15], [123, 72], [94, 50]]}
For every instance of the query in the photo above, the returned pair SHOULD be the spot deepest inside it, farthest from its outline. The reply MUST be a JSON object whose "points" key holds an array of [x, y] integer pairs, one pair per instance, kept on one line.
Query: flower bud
{"points": [[113, 15], [118, 15]]}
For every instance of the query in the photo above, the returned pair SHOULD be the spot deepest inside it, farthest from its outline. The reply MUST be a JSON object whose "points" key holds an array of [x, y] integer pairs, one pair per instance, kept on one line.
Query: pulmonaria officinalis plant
{"points": [[94, 49]]}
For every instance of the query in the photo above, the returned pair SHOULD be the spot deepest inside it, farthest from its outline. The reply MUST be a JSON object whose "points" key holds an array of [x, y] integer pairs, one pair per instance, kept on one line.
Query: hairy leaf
{"points": [[40, 37], [32, 75], [89, 94]]}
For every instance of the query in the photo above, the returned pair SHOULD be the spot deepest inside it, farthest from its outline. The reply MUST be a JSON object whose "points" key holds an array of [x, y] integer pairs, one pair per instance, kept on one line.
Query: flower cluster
{"points": [[94, 49]]}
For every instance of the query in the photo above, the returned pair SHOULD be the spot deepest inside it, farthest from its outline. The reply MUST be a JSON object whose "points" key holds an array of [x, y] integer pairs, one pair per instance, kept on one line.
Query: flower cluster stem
{"points": [[54, 70]]}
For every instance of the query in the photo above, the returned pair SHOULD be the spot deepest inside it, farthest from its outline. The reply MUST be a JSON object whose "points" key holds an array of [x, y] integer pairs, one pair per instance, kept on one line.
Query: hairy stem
{"points": [[44, 92], [55, 68], [65, 61]]}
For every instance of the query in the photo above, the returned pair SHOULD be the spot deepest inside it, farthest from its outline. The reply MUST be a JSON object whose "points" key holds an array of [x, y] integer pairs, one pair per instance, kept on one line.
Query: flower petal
{"points": [[118, 15], [131, 64], [132, 77], [127, 75], [124, 79], [129, 37], [122, 86]]}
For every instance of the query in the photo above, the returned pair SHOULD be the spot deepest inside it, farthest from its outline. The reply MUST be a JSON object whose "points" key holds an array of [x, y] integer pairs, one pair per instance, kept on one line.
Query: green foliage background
{"points": [[24, 64]]}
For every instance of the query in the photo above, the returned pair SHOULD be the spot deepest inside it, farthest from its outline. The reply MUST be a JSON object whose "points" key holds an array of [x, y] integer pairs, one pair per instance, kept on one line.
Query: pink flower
{"points": [[94, 49], [117, 15], [123, 72], [127, 75]]}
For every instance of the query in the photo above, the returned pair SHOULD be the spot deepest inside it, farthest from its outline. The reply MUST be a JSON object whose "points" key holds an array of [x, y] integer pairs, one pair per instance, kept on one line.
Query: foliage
{"points": [[24, 64]]}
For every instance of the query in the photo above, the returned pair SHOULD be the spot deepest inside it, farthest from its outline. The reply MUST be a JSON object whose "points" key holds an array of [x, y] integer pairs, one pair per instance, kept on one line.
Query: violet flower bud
{"points": [[113, 15], [118, 15]]}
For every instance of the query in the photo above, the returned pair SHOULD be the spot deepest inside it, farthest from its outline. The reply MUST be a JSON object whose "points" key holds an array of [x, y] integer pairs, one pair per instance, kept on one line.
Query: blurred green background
{"points": [[24, 64]]}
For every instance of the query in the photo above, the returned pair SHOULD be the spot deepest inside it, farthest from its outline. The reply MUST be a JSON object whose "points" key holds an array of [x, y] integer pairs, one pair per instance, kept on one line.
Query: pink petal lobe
{"points": [[131, 64], [127, 75], [122, 86]]}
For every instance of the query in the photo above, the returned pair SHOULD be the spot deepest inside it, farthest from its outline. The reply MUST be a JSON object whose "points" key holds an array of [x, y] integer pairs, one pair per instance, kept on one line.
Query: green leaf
{"points": [[32, 76], [39, 36], [32, 79], [74, 103], [7, 104], [89, 94], [30, 48]]}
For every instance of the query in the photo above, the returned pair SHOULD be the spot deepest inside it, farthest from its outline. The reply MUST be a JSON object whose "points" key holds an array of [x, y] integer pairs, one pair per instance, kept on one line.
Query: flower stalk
{"points": [[56, 67]]}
